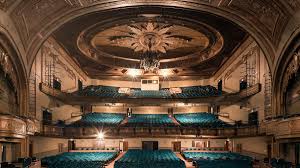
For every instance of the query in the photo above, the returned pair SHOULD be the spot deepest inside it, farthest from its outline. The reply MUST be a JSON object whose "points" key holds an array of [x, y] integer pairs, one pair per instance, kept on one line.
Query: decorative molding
{"points": [[291, 69], [294, 4], [12, 127], [268, 15], [5, 4], [8, 68], [47, 51], [68, 58], [253, 51]]}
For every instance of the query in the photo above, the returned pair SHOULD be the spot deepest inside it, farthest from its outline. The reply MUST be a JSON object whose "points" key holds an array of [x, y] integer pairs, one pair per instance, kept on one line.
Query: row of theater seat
{"points": [[200, 120], [149, 159], [204, 120], [150, 120], [107, 119], [218, 159], [100, 91], [79, 160], [113, 92]]}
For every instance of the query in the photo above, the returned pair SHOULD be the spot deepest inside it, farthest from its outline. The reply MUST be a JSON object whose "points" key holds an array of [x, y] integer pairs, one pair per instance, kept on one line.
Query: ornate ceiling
{"points": [[35, 21], [191, 43]]}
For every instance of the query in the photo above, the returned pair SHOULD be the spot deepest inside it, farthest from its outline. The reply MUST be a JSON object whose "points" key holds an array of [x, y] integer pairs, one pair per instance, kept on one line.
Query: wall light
{"points": [[101, 135]]}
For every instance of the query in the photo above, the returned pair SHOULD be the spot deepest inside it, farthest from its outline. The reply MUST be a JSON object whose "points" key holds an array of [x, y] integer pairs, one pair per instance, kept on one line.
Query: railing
{"points": [[285, 128], [16, 127], [75, 99], [91, 132]]}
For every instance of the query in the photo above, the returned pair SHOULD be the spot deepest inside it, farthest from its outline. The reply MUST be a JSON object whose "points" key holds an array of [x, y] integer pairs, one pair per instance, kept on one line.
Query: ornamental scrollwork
{"points": [[292, 69], [7, 66]]}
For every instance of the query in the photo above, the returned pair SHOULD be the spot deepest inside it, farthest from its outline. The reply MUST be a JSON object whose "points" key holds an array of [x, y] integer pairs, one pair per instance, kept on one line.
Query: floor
{"points": [[111, 165], [187, 164]]}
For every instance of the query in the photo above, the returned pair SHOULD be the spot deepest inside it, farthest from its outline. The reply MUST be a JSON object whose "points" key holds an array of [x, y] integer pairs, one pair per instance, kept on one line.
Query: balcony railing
{"points": [[91, 132], [17, 127], [283, 128]]}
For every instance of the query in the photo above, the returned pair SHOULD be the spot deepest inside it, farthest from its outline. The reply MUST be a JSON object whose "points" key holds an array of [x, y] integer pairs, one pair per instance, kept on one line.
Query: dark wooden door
{"points": [[125, 146], [150, 145], [176, 146]]}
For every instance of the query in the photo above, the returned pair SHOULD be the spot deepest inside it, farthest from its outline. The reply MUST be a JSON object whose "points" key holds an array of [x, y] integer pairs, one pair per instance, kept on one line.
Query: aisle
{"points": [[111, 165], [187, 164]]}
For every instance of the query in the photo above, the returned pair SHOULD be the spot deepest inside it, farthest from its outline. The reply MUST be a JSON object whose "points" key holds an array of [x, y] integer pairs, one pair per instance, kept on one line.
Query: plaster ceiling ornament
{"points": [[150, 40], [152, 37]]}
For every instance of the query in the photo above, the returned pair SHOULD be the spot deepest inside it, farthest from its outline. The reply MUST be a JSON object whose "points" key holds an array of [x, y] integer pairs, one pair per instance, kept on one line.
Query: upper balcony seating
{"points": [[100, 119], [203, 120], [149, 159], [149, 120], [100, 91], [113, 92], [218, 159], [79, 159], [197, 91]]}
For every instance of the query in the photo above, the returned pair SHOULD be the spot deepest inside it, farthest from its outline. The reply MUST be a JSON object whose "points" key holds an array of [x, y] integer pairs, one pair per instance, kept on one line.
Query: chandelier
{"points": [[150, 41], [149, 61]]}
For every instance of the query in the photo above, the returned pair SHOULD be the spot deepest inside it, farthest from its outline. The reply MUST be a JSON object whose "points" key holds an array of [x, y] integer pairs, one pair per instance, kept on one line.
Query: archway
{"points": [[15, 71], [60, 19], [285, 70]]}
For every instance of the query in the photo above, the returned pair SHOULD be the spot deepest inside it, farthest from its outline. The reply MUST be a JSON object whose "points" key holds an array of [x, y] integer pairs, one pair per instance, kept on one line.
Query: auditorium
{"points": [[149, 83]]}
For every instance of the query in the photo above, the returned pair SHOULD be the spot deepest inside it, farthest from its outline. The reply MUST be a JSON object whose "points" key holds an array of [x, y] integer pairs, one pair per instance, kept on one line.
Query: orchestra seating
{"points": [[100, 119], [203, 120], [79, 160], [218, 159], [149, 120], [149, 159]]}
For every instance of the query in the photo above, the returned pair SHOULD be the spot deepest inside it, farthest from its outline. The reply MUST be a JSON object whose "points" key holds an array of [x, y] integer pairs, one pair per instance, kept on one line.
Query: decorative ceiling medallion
{"points": [[152, 37], [176, 45]]}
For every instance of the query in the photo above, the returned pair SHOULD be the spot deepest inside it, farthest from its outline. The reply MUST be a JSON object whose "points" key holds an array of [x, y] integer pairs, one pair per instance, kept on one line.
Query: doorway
{"points": [[297, 153], [150, 145], [123, 146], [176, 146]]}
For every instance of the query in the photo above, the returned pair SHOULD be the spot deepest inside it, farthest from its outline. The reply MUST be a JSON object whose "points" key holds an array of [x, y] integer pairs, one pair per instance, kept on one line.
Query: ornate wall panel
{"points": [[267, 15], [12, 127]]}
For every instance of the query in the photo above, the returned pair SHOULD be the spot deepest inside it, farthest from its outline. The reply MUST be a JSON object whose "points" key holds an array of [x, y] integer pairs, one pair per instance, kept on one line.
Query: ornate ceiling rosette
{"points": [[177, 44], [189, 43]]}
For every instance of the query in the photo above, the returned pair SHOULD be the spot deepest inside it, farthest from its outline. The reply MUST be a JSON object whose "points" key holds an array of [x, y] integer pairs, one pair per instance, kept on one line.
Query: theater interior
{"points": [[150, 83]]}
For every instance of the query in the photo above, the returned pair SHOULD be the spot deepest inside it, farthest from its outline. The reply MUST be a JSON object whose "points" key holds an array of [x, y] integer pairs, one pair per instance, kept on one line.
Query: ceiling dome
{"points": [[179, 45]]}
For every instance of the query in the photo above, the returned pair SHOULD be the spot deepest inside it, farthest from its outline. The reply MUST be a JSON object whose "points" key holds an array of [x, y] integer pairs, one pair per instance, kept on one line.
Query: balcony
{"points": [[16, 127]]}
